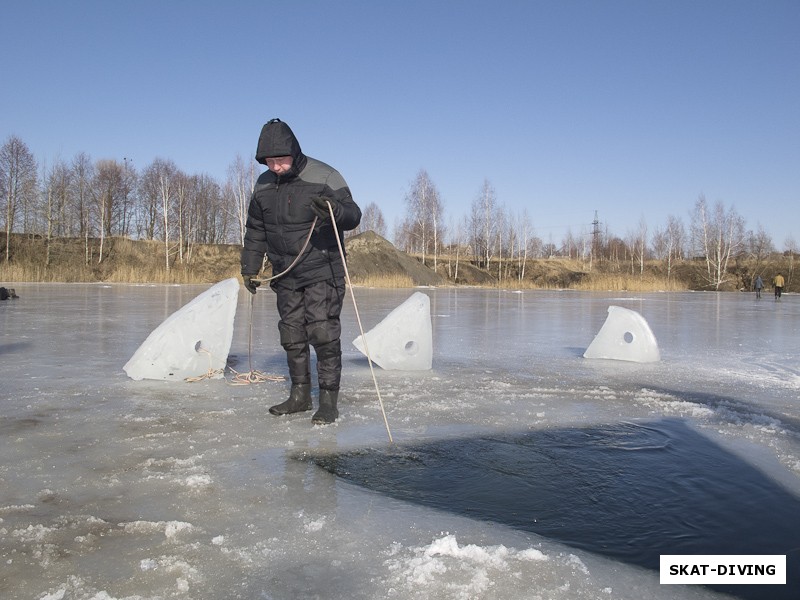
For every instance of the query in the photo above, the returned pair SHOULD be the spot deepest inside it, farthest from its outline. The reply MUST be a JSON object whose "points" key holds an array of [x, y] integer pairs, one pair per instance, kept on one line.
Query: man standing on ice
{"points": [[777, 283], [285, 202]]}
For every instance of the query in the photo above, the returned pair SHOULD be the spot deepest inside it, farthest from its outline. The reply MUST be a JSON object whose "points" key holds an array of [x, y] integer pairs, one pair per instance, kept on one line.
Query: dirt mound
{"points": [[469, 274], [368, 254]]}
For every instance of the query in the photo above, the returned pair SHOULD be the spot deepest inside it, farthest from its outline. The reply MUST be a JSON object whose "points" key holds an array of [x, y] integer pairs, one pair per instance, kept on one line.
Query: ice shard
{"points": [[192, 341], [403, 341], [624, 336]]}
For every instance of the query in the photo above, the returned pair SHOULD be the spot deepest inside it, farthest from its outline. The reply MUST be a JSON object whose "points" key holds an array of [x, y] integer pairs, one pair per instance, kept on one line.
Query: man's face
{"points": [[279, 164]]}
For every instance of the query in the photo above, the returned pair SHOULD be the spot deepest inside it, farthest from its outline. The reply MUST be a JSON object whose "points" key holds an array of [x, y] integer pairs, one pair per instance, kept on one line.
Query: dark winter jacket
{"points": [[280, 214]]}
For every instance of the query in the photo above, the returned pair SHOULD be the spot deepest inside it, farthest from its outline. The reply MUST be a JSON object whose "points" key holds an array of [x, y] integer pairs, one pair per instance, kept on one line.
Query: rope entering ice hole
{"points": [[358, 318]]}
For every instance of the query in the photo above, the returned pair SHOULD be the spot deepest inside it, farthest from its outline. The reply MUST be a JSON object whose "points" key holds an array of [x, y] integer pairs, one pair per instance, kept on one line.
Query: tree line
{"points": [[492, 237], [98, 199]]}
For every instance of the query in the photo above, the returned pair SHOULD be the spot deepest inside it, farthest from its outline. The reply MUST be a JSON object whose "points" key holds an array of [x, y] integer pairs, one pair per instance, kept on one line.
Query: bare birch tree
{"points": [[458, 234], [167, 174], [523, 240], [570, 245], [83, 173], [371, 220], [424, 216], [182, 184], [791, 249], [158, 184], [759, 246], [211, 216], [127, 205], [484, 223], [501, 232], [636, 243], [108, 190], [149, 200], [56, 194], [668, 243], [238, 189], [18, 180], [717, 234]]}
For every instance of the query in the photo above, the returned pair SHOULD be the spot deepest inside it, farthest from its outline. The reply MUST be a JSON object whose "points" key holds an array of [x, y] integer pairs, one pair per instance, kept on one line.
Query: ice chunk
{"points": [[624, 336], [404, 339], [192, 341]]}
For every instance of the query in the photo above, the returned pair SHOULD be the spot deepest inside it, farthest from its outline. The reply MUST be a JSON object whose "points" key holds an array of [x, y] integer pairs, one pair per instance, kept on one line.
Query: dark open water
{"points": [[630, 491]]}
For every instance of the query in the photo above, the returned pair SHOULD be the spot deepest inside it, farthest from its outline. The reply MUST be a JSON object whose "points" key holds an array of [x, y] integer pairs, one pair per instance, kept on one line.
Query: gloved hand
{"points": [[320, 206], [250, 283]]}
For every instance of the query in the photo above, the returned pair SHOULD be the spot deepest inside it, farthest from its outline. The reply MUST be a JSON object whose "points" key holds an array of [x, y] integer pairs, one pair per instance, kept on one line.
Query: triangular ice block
{"points": [[403, 341], [191, 341], [624, 336]]}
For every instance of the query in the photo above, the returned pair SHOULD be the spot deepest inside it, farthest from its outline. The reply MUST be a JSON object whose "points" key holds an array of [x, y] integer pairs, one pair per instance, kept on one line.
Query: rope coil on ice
{"points": [[252, 376]]}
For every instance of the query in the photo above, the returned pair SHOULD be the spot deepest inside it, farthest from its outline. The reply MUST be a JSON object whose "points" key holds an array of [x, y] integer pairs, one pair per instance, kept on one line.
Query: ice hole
{"points": [[628, 337], [412, 347], [198, 346]]}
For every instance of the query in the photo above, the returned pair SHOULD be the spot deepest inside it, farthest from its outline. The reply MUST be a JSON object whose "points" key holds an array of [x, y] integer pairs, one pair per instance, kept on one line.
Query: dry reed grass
{"points": [[124, 261], [623, 282], [396, 280], [139, 261]]}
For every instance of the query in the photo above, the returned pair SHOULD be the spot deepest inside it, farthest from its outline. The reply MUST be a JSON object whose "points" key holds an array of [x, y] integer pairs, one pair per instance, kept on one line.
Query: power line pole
{"points": [[596, 237]]}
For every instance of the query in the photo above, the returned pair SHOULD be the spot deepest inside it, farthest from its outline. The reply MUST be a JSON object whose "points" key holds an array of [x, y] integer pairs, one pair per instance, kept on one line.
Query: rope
{"points": [[257, 377], [210, 374], [254, 376], [296, 258], [238, 378], [358, 318]]}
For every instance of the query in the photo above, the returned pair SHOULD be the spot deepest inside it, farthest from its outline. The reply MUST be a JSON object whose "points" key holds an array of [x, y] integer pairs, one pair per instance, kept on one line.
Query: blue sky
{"points": [[628, 108]]}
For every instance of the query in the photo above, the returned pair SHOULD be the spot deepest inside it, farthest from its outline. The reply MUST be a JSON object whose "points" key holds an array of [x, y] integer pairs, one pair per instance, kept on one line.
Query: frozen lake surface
{"points": [[519, 469]]}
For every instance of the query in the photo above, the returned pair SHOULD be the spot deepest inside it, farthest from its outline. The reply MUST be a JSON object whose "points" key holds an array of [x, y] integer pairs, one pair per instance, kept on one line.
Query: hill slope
{"points": [[370, 255]]}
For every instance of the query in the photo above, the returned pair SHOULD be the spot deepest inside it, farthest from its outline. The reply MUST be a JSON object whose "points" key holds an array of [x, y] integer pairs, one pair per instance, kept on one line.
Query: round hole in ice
{"points": [[411, 347], [198, 345], [628, 337]]}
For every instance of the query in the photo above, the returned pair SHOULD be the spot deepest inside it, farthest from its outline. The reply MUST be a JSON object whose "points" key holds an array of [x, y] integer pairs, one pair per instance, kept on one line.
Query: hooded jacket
{"points": [[280, 214]]}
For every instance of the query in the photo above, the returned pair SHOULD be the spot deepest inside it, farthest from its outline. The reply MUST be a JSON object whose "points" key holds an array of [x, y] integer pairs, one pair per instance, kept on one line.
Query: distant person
{"points": [[6, 293], [778, 284], [284, 203], [759, 283]]}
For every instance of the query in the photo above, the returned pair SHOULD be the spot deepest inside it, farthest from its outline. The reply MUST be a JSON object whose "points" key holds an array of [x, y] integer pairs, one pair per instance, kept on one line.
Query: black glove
{"points": [[320, 206], [250, 283]]}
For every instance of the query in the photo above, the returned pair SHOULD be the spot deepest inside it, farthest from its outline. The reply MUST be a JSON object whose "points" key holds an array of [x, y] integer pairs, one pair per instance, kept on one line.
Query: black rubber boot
{"points": [[299, 400], [327, 412]]}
